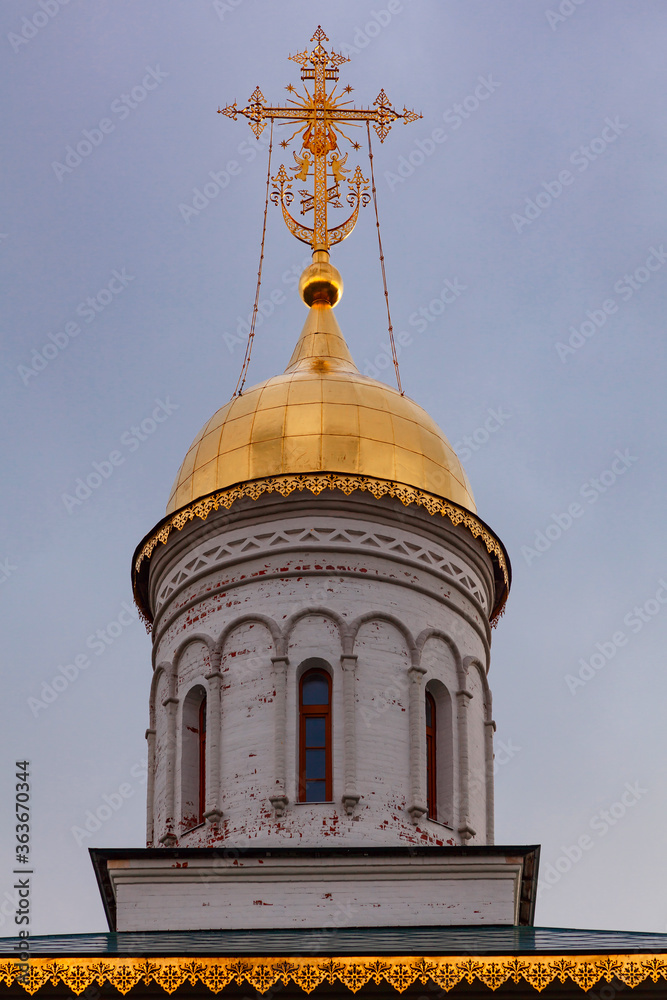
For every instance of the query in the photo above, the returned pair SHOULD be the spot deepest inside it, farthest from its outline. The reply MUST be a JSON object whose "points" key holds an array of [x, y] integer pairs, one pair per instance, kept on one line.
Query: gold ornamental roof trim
{"points": [[316, 483], [214, 974]]}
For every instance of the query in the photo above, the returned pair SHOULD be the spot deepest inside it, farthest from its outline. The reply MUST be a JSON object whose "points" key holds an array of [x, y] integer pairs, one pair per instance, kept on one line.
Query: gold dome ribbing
{"points": [[321, 415]]}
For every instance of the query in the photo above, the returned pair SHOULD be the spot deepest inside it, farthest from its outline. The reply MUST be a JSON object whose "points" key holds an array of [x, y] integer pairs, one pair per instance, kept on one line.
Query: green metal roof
{"points": [[491, 940]]}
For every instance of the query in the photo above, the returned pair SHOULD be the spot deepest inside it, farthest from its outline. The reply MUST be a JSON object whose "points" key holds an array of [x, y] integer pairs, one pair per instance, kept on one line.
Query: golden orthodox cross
{"points": [[318, 116]]}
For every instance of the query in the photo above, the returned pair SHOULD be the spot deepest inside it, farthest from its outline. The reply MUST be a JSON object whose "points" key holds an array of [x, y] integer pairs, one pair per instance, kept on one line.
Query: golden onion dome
{"points": [[321, 415]]}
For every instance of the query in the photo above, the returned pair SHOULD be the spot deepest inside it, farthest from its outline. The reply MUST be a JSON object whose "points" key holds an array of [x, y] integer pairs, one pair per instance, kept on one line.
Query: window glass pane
{"points": [[315, 791], [315, 690], [315, 731], [315, 764], [429, 710]]}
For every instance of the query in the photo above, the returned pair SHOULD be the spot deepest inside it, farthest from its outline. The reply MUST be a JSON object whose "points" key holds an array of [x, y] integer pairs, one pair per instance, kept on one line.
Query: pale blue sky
{"points": [[167, 290]]}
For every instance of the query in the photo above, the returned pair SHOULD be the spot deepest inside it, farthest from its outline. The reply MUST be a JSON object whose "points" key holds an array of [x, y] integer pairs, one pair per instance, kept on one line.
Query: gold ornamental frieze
{"points": [[316, 483], [214, 974]]}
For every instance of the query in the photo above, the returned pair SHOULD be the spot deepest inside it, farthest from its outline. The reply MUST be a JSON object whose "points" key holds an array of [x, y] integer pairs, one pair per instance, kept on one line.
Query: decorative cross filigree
{"points": [[319, 116]]}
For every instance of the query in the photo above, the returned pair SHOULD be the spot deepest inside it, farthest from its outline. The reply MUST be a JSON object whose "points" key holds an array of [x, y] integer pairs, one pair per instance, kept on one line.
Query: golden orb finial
{"points": [[321, 282]]}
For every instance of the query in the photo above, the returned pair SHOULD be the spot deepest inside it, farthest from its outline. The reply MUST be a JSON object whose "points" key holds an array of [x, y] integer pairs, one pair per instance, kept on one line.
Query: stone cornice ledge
{"points": [[316, 483]]}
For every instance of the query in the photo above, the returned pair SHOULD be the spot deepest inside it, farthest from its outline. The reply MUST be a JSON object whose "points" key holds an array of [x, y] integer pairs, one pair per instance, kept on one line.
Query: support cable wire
{"points": [[384, 276], [238, 391]]}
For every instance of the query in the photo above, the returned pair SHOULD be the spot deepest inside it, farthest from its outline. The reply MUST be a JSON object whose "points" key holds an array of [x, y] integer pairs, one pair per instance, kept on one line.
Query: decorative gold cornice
{"points": [[316, 483], [214, 973]]}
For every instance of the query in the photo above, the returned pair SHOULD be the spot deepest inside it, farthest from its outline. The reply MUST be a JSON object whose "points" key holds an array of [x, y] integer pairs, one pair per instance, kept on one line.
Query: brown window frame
{"points": [[431, 758], [305, 712], [201, 750]]}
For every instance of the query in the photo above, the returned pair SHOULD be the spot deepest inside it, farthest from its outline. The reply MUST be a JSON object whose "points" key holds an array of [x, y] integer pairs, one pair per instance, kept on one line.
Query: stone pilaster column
{"points": [[466, 832], [350, 793], [213, 813], [417, 722], [169, 838], [489, 730], [150, 786], [278, 798]]}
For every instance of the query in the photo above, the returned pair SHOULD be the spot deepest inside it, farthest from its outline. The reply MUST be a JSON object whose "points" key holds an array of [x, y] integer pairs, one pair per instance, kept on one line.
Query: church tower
{"points": [[321, 595]]}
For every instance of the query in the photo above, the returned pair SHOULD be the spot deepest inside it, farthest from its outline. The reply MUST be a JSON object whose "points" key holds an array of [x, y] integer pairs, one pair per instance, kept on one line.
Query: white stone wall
{"points": [[394, 600], [383, 727]]}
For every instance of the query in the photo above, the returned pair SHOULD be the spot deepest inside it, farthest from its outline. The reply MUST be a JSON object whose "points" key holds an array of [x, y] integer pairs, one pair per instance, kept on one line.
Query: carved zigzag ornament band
{"points": [[214, 973], [316, 483]]}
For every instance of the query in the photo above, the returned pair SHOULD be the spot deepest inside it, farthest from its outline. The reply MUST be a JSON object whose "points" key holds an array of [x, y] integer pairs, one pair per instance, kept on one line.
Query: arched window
{"points": [[202, 758], [431, 757], [315, 737], [193, 758]]}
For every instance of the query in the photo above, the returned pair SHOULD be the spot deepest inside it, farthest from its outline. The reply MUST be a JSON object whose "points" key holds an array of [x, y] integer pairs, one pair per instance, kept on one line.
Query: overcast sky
{"points": [[536, 186]]}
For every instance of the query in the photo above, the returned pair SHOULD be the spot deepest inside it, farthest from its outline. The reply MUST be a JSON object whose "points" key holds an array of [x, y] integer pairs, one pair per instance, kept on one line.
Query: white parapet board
{"points": [[207, 893]]}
